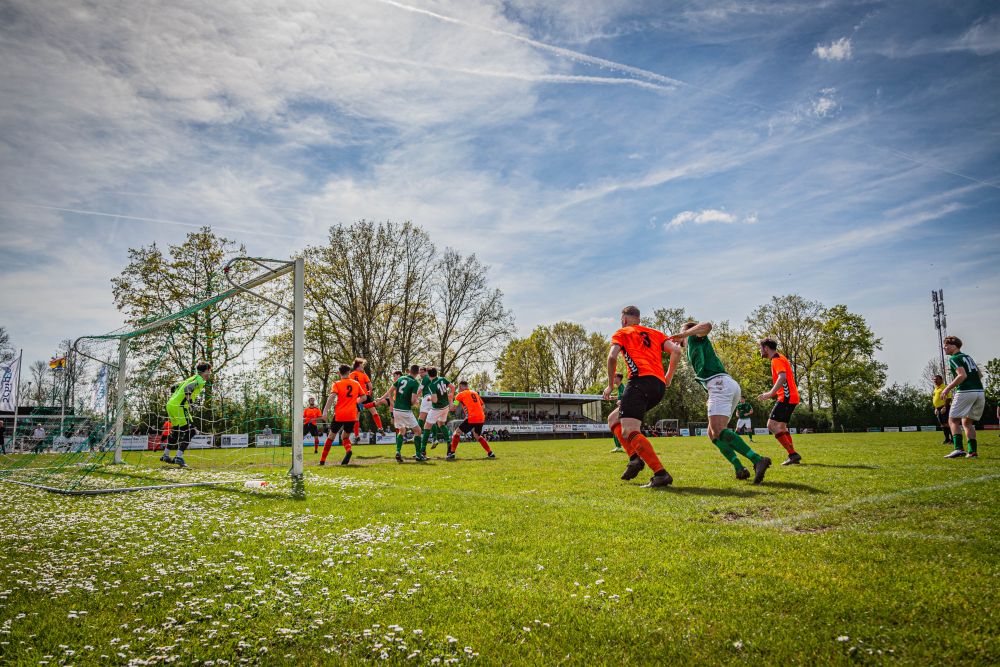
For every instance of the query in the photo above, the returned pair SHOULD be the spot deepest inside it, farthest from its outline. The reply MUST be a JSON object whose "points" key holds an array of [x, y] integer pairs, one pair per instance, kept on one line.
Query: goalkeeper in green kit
{"points": [[178, 407]]}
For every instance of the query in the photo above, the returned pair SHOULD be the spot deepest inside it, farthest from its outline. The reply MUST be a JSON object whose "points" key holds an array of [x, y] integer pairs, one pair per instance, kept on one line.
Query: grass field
{"points": [[876, 550]]}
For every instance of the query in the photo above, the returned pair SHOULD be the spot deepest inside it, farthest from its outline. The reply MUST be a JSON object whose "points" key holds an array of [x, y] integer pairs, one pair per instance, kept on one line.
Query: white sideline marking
{"points": [[882, 497]]}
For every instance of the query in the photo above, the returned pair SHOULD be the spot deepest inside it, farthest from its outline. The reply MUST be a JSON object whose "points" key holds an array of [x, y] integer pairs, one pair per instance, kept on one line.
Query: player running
{"points": [[744, 410], [178, 413], [787, 395], [724, 395], [426, 400], [970, 399], [404, 394], [620, 384], [442, 393], [942, 406], [642, 349], [359, 376], [310, 416], [475, 417], [344, 395]]}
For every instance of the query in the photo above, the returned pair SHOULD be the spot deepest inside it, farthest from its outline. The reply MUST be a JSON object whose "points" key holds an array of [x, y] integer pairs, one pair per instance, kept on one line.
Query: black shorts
{"points": [[782, 411], [364, 399], [336, 427], [641, 395], [465, 427], [942, 412], [310, 429]]}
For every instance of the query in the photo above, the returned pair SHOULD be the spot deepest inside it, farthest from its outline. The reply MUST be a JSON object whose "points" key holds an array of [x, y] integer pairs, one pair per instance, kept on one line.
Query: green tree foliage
{"points": [[846, 366], [991, 380], [7, 351], [795, 323], [527, 364]]}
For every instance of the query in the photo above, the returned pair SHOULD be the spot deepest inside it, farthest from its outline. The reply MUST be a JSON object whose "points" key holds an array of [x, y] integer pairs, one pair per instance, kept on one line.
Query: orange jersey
{"points": [[473, 405], [642, 348], [347, 392], [311, 415], [789, 393], [361, 378]]}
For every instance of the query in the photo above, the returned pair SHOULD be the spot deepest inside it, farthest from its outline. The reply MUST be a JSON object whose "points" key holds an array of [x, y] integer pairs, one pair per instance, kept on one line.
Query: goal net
{"points": [[245, 422], [698, 428], [667, 427]]}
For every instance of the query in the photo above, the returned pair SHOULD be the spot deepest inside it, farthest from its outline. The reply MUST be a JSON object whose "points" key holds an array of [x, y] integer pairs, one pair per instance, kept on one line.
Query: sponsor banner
{"points": [[73, 443], [201, 442], [891, 429], [235, 440], [578, 428], [909, 429], [760, 431], [991, 427], [10, 372], [685, 432], [701, 431], [135, 442], [156, 442], [928, 428], [874, 429], [272, 440], [793, 431]]}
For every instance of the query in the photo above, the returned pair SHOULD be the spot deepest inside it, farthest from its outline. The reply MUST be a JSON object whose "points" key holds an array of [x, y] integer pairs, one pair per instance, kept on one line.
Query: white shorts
{"points": [[436, 414], [403, 419], [745, 422], [968, 405], [723, 394], [426, 404]]}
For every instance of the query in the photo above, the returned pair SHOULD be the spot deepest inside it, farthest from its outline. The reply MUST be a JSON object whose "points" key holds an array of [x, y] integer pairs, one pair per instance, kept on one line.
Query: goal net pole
{"points": [[298, 354], [120, 413]]}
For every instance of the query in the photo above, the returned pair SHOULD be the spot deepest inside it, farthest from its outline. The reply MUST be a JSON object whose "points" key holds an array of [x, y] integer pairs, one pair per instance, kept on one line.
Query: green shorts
{"points": [[177, 415]]}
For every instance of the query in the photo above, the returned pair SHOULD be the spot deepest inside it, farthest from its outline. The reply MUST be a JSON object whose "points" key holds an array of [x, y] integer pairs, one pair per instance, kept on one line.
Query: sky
{"points": [[594, 153]]}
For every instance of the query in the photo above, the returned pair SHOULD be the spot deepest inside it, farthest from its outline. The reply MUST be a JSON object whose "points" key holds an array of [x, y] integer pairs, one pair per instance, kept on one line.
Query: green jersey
{"points": [[621, 389], [439, 390], [193, 384], [743, 409], [425, 384], [406, 388], [972, 381], [701, 355]]}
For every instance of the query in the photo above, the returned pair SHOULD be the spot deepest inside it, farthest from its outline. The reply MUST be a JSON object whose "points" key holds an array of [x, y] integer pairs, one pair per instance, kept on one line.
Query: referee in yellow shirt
{"points": [[942, 406]]}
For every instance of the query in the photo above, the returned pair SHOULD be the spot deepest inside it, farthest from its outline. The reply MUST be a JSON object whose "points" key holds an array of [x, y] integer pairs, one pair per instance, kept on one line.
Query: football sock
{"points": [[957, 440], [617, 433], [645, 450], [738, 446], [785, 438], [378, 420], [972, 445], [444, 433], [618, 444], [326, 450], [728, 453], [369, 405], [420, 422], [484, 443], [357, 428], [424, 439], [399, 443], [454, 442]]}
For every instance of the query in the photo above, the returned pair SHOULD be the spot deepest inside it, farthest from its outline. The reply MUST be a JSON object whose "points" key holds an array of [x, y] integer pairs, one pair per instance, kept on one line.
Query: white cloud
{"points": [[709, 215], [825, 104], [837, 50]]}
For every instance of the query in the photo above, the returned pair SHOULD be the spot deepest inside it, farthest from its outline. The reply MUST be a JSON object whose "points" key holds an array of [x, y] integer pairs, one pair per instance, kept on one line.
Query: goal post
{"points": [[244, 424]]}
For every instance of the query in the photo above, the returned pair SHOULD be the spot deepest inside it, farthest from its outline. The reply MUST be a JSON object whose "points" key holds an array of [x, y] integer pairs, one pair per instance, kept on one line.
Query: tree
{"points": [[795, 322], [846, 364], [569, 345], [931, 368], [480, 381], [6, 349], [527, 364], [469, 322], [991, 380], [40, 386]]}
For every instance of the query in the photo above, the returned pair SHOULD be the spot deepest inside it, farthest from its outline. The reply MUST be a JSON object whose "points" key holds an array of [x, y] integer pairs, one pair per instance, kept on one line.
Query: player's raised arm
{"points": [[701, 330], [612, 369], [675, 352]]}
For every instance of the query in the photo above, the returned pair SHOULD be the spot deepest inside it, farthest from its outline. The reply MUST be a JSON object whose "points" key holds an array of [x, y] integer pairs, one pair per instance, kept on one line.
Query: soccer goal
{"points": [[698, 428], [668, 427], [245, 423]]}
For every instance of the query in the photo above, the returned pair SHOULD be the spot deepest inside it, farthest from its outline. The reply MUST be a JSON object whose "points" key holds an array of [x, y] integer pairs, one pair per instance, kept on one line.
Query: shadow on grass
{"points": [[857, 466], [795, 486], [708, 491]]}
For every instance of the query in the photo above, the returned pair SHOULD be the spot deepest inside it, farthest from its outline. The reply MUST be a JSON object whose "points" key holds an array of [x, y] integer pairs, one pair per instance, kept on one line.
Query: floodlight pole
{"points": [[940, 323], [298, 358], [120, 398]]}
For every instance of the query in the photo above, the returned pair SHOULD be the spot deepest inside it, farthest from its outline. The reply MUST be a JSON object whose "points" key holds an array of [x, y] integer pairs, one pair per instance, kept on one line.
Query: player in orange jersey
{"points": [[359, 376], [344, 395], [310, 416], [642, 349], [475, 417], [787, 395]]}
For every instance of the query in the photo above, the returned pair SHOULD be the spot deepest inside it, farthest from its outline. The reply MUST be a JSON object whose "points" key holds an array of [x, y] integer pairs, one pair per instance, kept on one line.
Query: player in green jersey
{"points": [[723, 395], [441, 393], [404, 395], [970, 399], [743, 424], [179, 415], [620, 381], [425, 398]]}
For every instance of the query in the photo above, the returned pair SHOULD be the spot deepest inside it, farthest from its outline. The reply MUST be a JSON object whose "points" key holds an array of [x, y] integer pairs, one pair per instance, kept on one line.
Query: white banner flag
{"points": [[99, 399], [10, 374]]}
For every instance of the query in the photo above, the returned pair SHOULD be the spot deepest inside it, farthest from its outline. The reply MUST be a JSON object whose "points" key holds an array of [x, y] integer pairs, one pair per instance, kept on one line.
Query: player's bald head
{"points": [[630, 314]]}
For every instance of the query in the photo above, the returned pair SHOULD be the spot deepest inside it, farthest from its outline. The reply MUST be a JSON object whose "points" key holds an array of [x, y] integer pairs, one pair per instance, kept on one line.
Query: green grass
{"points": [[876, 550]]}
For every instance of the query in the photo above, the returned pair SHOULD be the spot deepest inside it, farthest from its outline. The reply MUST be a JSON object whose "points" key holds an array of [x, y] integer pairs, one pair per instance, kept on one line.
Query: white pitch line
{"points": [[880, 498]]}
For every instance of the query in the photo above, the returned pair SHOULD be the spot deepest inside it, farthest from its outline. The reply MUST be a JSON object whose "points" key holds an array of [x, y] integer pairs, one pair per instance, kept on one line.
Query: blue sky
{"points": [[594, 153]]}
